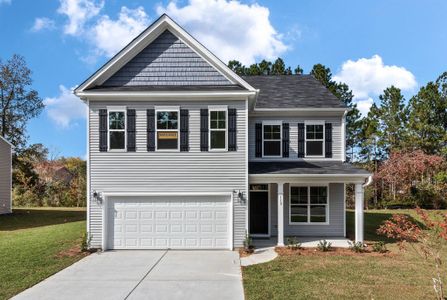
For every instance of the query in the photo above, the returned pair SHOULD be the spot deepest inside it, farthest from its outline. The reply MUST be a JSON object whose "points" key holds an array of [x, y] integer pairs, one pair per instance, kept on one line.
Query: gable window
{"points": [[218, 129], [308, 204], [315, 139], [272, 143], [167, 129], [117, 129]]}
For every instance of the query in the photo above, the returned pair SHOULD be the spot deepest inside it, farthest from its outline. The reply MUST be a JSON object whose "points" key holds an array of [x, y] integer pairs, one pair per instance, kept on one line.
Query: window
{"points": [[167, 129], [314, 140], [117, 130], [308, 204], [272, 139], [218, 129]]}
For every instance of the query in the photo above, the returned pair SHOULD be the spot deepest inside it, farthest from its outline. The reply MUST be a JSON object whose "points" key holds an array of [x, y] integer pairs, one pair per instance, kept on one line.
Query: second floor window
{"points": [[271, 139], [315, 140], [167, 130], [117, 130], [218, 129]]}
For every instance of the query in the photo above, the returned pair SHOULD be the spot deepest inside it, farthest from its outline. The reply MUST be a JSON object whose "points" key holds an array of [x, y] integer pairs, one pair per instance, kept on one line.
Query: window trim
{"points": [[308, 186], [167, 109], [117, 109], [315, 122], [218, 108], [280, 138]]}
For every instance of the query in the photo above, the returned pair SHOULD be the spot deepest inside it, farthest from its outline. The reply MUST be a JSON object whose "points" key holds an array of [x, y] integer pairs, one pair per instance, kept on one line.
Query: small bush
{"points": [[379, 247], [85, 244], [357, 247], [324, 246], [293, 244], [248, 243]]}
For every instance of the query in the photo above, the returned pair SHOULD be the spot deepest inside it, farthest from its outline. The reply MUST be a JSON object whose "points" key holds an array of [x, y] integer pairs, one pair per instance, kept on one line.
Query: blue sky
{"points": [[368, 44]]}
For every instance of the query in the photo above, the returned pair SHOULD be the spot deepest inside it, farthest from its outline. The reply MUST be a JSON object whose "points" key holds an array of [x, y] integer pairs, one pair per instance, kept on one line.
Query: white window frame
{"points": [[280, 138], [317, 122], [167, 109], [111, 109], [308, 186], [218, 108]]}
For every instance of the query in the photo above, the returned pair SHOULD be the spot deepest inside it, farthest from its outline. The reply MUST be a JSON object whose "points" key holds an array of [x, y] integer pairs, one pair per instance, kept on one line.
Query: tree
{"points": [[278, 67], [390, 119], [265, 67], [353, 117], [298, 70], [18, 101], [428, 118]]}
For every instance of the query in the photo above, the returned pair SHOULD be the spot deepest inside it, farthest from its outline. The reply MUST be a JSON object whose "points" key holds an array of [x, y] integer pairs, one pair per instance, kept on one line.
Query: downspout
{"points": [[368, 182]]}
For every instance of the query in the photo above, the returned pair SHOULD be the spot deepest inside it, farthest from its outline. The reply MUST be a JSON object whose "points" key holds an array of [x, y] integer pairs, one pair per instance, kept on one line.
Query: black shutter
{"points": [[285, 140], [258, 138], [328, 140], [184, 130], [131, 130], [232, 136], [103, 130], [150, 129], [301, 140], [204, 129]]}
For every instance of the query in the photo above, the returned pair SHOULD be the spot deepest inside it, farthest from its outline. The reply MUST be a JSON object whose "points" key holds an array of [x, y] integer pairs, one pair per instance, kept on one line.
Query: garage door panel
{"points": [[169, 222]]}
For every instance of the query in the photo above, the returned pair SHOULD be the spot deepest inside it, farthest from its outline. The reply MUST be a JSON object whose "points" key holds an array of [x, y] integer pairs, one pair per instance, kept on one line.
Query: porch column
{"points": [[280, 214], [359, 191]]}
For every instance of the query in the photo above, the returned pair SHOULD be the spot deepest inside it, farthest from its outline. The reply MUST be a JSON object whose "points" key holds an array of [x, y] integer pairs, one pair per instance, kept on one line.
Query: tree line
{"points": [[38, 180], [402, 141]]}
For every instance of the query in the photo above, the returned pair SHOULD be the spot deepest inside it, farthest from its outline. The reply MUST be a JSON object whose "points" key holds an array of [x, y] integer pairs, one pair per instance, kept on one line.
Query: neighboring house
{"points": [[5, 176], [185, 154]]}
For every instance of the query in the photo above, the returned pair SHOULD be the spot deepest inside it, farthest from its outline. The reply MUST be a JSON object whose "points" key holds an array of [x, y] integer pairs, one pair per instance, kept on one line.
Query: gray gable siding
{"points": [[192, 171], [167, 61], [5, 177], [293, 146]]}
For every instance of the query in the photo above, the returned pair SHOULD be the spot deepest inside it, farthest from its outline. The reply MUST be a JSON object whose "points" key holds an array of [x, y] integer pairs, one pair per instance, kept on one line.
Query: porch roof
{"points": [[306, 168]]}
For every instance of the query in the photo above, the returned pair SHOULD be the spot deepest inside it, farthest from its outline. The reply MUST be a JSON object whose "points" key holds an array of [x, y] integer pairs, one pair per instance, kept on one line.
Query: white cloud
{"points": [[368, 77], [65, 108], [43, 23], [229, 29], [109, 36], [78, 13]]}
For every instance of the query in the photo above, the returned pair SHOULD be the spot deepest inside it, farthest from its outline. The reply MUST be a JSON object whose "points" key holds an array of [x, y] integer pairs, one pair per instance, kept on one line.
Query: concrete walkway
{"points": [[145, 275], [260, 256]]}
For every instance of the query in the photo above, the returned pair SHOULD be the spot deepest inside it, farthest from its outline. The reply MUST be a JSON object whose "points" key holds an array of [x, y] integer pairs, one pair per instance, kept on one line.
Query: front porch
{"points": [[303, 200], [305, 241]]}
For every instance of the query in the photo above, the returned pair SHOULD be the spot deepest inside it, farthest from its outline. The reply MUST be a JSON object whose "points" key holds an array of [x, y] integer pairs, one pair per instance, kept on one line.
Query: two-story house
{"points": [[185, 154]]}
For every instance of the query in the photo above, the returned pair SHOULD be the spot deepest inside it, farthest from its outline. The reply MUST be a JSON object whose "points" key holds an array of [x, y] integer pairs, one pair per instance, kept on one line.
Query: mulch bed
{"points": [[74, 251], [284, 251]]}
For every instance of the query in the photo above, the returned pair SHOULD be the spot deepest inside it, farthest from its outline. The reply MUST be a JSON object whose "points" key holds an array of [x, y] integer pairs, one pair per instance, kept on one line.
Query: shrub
{"points": [[248, 243], [379, 247], [357, 247], [85, 244], [293, 244], [324, 246]]}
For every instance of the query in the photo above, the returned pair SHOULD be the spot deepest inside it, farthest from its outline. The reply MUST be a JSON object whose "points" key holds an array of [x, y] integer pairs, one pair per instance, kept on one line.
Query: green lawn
{"points": [[397, 275], [34, 244]]}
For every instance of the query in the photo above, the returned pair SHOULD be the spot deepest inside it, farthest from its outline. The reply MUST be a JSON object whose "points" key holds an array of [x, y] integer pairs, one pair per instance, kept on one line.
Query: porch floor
{"points": [[306, 242]]}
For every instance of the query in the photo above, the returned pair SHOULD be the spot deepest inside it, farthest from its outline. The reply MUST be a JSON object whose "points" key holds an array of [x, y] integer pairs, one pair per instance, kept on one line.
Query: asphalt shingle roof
{"points": [[302, 167], [292, 91]]}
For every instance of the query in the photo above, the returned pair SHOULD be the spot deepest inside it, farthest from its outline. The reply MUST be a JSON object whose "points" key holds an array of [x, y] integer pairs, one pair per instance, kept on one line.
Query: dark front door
{"points": [[259, 213]]}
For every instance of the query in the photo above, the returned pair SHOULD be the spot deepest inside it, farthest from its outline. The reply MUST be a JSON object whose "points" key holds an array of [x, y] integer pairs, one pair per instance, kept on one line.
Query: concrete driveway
{"points": [[145, 275]]}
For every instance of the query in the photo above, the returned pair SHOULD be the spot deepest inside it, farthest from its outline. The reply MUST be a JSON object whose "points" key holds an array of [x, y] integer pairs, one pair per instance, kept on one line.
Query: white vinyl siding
{"points": [[293, 144], [192, 171]]}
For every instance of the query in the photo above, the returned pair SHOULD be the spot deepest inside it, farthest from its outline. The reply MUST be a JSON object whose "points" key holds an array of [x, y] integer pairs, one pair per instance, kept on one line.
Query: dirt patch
{"points": [[74, 251], [284, 251]]}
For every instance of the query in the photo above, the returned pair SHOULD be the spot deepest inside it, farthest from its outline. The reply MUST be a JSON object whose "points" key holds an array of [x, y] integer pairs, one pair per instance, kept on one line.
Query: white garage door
{"points": [[191, 222]]}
